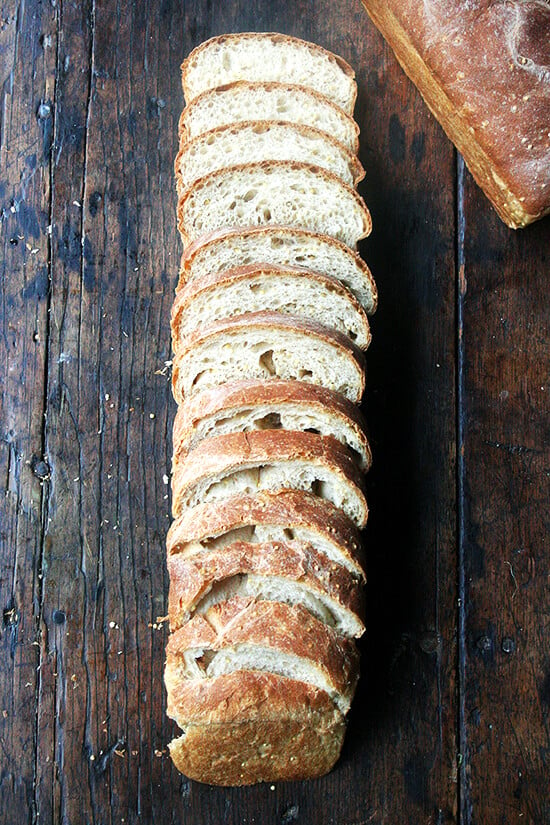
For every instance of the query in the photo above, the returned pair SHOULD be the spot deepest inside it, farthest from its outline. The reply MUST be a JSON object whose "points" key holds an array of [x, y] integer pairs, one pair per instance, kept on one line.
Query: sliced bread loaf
{"points": [[281, 571], [283, 246], [274, 192], [271, 405], [244, 634], [249, 726], [256, 288], [268, 56], [260, 140], [268, 345], [284, 516], [275, 460], [244, 99]]}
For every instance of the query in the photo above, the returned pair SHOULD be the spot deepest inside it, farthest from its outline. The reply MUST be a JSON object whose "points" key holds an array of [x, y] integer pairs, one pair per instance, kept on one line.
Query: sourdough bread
{"points": [[274, 192], [269, 405], [261, 140], [266, 516], [268, 57], [246, 463], [282, 246], [244, 99], [267, 345], [256, 288]]}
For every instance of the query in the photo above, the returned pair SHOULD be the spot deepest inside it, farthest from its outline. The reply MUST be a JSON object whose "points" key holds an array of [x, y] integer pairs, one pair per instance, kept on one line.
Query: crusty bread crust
{"points": [[273, 323], [288, 508], [215, 282], [228, 398], [317, 99], [226, 454], [247, 727], [276, 38], [289, 629], [245, 130], [482, 71], [192, 578], [268, 170], [286, 235]]}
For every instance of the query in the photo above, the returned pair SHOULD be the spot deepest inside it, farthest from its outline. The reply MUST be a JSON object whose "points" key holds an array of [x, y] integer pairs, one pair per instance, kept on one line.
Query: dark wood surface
{"points": [[451, 721]]}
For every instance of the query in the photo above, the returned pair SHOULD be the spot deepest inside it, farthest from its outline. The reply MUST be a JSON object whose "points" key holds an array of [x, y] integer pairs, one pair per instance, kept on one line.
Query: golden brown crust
{"points": [[354, 164], [287, 508], [270, 85], [273, 323], [248, 727], [271, 167], [483, 68], [285, 235], [226, 454], [227, 398], [216, 280], [192, 578], [288, 629]]}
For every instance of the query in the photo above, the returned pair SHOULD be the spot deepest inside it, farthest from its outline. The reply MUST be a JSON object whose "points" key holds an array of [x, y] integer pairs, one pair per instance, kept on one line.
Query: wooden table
{"points": [[451, 722]]}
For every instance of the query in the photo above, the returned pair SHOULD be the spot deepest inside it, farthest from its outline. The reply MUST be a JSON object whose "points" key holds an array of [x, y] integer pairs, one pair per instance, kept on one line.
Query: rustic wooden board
{"points": [[451, 720]]}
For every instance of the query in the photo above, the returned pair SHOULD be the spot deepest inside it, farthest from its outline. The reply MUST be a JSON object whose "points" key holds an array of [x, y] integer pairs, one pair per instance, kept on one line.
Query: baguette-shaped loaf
{"points": [[226, 465], [238, 101], [287, 571], [282, 246], [286, 515], [269, 405], [270, 288], [261, 140], [245, 634], [268, 57], [248, 726], [274, 192], [484, 71], [268, 345]]}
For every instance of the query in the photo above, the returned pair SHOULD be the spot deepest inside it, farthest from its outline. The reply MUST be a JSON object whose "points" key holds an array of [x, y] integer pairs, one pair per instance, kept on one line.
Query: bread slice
{"points": [[282, 246], [271, 405], [274, 192], [274, 460], [268, 57], [261, 140], [284, 516], [244, 634], [243, 100], [287, 571], [256, 288], [268, 345], [248, 726]]}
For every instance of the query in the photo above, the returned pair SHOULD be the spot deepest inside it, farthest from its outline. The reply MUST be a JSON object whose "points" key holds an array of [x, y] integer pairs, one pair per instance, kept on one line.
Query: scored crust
{"points": [[287, 508], [271, 395], [246, 727], [223, 455]]}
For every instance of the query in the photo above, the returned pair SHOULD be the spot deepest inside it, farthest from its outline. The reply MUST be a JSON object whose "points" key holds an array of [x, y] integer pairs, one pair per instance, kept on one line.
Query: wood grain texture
{"points": [[451, 720]]}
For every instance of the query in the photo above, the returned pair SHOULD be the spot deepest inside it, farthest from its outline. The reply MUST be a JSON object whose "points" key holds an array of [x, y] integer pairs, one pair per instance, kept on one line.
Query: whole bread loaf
{"points": [[483, 68]]}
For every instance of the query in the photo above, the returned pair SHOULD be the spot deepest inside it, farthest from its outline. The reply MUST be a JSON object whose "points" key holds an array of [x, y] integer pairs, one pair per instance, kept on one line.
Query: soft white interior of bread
{"points": [[291, 293], [259, 533], [241, 101], [316, 252], [289, 591], [263, 194], [258, 141], [280, 475], [282, 416], [200, 663], [262, 353], [266, 58]]}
